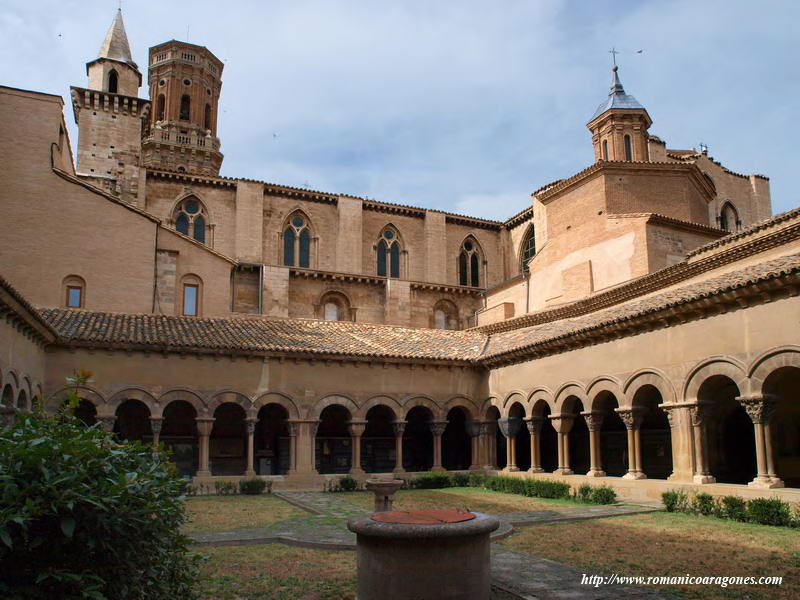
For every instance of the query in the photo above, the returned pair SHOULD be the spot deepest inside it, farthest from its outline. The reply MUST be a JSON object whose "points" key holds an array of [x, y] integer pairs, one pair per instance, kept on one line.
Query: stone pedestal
{"points": [[405, 560], [384, 490]]}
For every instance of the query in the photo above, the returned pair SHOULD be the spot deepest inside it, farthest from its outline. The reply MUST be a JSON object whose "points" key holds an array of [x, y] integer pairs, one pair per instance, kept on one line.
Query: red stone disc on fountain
{"points": [[430, 516]]}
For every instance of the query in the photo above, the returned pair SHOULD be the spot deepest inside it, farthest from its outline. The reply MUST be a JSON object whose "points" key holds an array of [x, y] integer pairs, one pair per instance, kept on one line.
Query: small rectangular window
{"points": [[190, 300], [74, 296]]}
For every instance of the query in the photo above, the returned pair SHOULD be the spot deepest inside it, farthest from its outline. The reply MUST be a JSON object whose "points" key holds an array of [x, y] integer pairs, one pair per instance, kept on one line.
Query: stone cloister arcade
{"points": [[725, 422]]}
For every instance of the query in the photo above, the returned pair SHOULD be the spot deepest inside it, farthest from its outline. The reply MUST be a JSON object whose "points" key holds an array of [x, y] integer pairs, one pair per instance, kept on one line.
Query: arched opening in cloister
{"points": [[522, 439], [655, 435], [271, 442], [179, 435], [613, 436], [498, 448], [86, 412], [334, 451], [228, 441], [456, 453], [133, 421], [377, 441], [578, 436], [730, 437], [548, 438], [784, 425], [22, 400], [418, 440], [8, 396]]}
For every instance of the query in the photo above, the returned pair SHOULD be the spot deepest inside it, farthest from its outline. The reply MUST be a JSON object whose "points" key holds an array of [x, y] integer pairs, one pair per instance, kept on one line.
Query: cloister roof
{"points": [[259, 335]]}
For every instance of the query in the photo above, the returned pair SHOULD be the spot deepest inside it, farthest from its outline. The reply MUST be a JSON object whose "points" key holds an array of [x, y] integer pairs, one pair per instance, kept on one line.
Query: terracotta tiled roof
{"points": [[258, 335], [17, 303], [538, 335]]}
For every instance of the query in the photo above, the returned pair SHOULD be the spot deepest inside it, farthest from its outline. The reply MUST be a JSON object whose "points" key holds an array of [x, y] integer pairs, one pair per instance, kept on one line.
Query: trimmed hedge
{"points": [[763, 511]]}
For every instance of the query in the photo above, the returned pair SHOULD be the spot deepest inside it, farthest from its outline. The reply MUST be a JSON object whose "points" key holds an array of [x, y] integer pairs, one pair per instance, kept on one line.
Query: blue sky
{"points": [[463, 106]]}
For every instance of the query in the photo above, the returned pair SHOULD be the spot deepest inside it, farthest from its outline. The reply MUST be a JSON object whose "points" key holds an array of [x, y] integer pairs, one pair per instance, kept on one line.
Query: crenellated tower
{"points": [[619, 126], [110, 117], [185, 84]]}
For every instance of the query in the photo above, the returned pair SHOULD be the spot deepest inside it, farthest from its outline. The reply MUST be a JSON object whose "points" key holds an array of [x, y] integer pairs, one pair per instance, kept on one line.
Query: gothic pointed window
{"points": [[469, 263], [729, 218], [388, 253], [528, 247], [113, 80], [191, 219], [186, 105], [297, 242], [628, 148]]}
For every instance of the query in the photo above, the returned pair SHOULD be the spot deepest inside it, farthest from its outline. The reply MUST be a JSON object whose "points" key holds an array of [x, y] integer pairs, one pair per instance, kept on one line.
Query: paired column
{"points": [[294, 430], [534, 425], [437, 429], [489, 434], [204, 427], [474, 433], [509, 428], [633, 417], [107, 422], [251, 434], [155, 426], [760, 408], [699, 415], [356, 431], [399, 429], [594, 422], [563, 425]]}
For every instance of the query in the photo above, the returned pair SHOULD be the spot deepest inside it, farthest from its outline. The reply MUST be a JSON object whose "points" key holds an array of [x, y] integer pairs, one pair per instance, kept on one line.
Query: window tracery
{"points": [[191, 219], [297, 241], [470, 260]]}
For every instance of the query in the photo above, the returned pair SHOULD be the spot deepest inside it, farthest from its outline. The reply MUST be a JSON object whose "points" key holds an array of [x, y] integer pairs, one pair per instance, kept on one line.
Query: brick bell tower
{"points": [[110, 117], [619, 126], [185, 84]]}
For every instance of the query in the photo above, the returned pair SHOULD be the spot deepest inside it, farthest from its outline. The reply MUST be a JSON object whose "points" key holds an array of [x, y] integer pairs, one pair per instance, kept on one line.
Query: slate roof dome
{"points": [[617, 98]]}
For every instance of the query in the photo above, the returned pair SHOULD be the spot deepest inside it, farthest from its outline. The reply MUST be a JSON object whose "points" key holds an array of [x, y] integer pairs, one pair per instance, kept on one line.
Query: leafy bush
{"points": [[542, 488], [603, 494], [430, 481], [82, 516], [253, 486], [768, 511], [675, 500], [584, 493], [734, 508], [348, 484], [476, 480], [459, 479], [703, 504], [225, 488]]}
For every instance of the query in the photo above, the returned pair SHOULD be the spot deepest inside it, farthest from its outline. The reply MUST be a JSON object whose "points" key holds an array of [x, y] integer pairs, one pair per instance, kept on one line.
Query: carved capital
{"points": [[437, 427], [562, 423], [155, 425], [632, 417], [204, 426], [251, 426], [313, 428], [594, 420], [399, 428], [107, 423], [356, 428], [672, 414], [294, 428], [759, 408], [535, 425], [698, 414]]}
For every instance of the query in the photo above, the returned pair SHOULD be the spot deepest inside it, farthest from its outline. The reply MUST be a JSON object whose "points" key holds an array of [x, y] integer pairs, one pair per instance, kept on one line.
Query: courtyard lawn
{"points": [[220, 513], [276, 571], [673, 544], [473, 499]]}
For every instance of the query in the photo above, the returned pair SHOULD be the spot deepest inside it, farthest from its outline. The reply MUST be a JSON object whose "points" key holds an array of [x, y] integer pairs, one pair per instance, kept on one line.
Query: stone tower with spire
{"points": [[110, 118], [619, 126], [185, 82]]}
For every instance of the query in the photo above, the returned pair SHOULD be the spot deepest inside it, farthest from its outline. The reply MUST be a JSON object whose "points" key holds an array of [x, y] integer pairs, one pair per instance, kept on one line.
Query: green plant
{"points": [[603, 494], [459, 479], [252, 486], [583, 493], [703, 504], [675, 500], [768, 511], [225, 488], [348, 484], [83, 516], [476, 480], [430, 481]]}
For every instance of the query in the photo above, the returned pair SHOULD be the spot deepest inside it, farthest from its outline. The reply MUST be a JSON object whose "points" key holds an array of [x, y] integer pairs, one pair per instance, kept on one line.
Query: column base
{"points": [[512, 469], [563, 471], [701, 479], [358, 471], [250, 473], [399, 470], [634, 475], [596, 473], [474, 468], [536, 470], [766, 483], [438, 470], [203, 474]]}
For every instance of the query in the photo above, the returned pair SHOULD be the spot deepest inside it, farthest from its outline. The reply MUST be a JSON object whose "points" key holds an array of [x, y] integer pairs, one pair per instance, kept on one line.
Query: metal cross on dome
{"points": [[613, 52]]}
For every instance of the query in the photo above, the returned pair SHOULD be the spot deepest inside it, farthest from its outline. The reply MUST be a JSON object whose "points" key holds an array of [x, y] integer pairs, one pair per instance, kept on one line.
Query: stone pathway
{"points": [[523, 575]]}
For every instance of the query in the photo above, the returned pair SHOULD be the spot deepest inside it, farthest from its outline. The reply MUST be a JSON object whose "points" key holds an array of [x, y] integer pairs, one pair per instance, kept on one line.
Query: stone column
{"points": [[484, 445], [437, 429], [535, 429], [474, 433], [294, 430], [251, 434], [489, 429], [313, 426], [399, 430], [155, 425], [698, 414], [356, 431], [673, 418], [759, 409], [632, 417], [563, 425], [107, 422], [204, 427], [594, 422]]}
